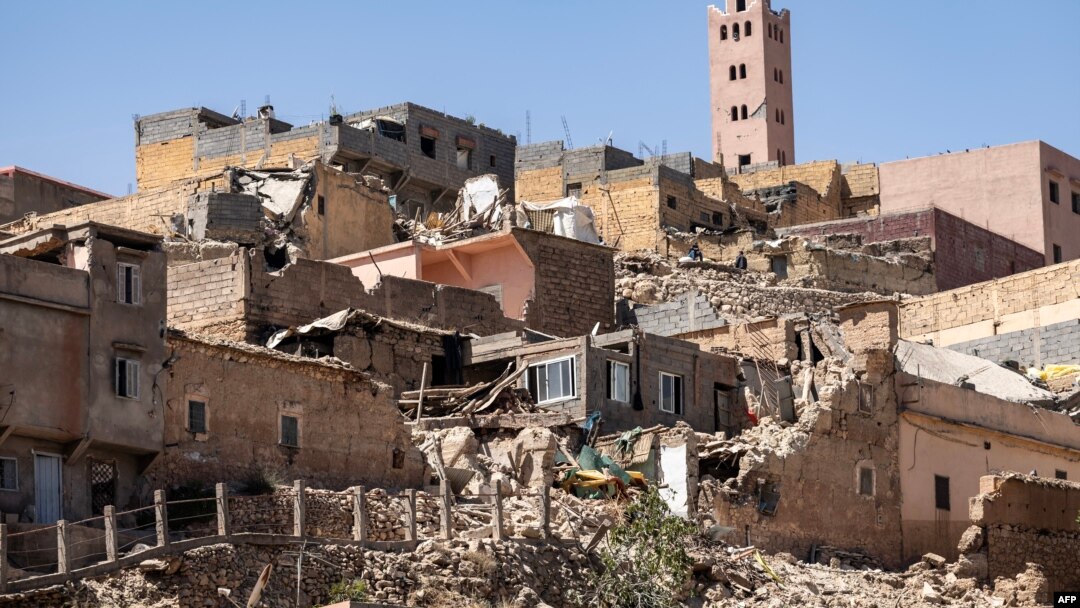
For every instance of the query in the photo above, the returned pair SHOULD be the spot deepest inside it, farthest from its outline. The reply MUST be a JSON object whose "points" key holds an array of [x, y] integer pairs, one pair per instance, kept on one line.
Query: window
{"points": [[775, 75], [427, 146], [718, 218], [783, 119], [1059, 474], [744, 160], [672, 202], [781, 36], [671, 400], [941, 493], [1076, 202], [781, 76], [398, 458], [742, 72], [290, 431], [128, 284], [732, 75], [573, 190], [723, 32], [735, 31], [618, 381], [552, 380], [464, 158], [770, 30], [1055, 192], [866, 398], [866, 481], [127, 378], [102, 485], [9, 474], [196, 416], [746, 28], [778, 155], [740, 5], [742, 112], [491, 160], [1057, 254], [783, 157], [322, 205], [777, 113], [734, 113]]}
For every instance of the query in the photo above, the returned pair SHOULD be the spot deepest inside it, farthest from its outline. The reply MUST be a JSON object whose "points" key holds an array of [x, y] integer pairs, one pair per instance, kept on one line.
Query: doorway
{"points": [[48, 488]]}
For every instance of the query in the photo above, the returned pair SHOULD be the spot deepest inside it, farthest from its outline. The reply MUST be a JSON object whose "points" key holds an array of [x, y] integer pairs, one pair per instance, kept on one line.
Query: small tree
{"points": [[645, 564]]}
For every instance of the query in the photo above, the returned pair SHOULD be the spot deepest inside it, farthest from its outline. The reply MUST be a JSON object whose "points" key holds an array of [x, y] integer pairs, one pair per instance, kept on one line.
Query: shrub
{"points": [[355, 590]]}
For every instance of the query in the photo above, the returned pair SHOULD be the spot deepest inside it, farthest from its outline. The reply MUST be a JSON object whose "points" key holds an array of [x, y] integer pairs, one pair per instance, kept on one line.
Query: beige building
{"points": [[23, 191], [753, 119], [82, 348], [1028, 192]]}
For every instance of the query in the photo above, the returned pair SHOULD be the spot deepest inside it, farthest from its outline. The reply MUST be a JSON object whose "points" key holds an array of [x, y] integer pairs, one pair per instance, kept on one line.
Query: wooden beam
{"points": [[8, 430], [79, 450], [460, 264]]}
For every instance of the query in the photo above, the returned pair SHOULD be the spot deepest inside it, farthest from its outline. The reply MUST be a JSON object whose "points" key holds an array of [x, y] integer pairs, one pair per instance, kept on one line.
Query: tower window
{"points": [[777, 115], [774, 75], [746, 28], [735, 31], [781, 76], [1076, 202], [770, 30], [740, 5], [1055, 192], [731, 73], [782, 118], [742, 72], [781, 36], [723, 32], [778, 155], [1057, 254], [744, 159], [783, 158], [734, 113], [742, 112]]}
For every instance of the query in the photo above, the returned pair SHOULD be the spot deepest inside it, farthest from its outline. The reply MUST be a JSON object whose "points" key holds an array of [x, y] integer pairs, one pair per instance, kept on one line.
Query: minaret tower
{"points": [[753, 121]]}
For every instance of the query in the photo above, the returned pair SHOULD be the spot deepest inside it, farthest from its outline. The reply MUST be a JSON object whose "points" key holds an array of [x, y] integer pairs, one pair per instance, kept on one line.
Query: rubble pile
{"points": [[500, 394], [480, 206], [649, 278]]}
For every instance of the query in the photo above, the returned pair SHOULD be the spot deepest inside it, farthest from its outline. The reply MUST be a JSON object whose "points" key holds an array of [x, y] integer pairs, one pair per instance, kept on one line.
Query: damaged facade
{"points": [[82, 321]]}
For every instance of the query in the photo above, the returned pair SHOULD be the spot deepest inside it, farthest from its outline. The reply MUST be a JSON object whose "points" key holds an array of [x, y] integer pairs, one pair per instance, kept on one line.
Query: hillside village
{"points": [[401, 353]]}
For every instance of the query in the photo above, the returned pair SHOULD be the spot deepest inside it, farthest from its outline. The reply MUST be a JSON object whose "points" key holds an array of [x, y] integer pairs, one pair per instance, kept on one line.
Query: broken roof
{"points": [[954, 368]]}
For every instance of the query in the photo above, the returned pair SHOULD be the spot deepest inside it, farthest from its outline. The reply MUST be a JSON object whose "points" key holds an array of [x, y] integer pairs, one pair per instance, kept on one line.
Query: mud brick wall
{"points": [[990, 300], [963, 252], [822, 176], [574, 284], [1030, 519]]}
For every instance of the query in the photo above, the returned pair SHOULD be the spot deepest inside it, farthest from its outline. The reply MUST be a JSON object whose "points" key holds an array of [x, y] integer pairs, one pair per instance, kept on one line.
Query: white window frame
{"points": [[121, 283], [677, 408], [131, 388], [613, 383], [281, 429], [16, 462], [573, 379]]}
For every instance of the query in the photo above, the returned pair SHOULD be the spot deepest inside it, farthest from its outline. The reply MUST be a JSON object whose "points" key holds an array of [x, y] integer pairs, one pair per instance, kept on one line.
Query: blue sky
{"points": [[874, 80]]}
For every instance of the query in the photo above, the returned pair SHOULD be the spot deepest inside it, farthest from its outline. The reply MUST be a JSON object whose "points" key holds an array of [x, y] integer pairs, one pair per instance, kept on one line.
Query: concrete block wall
{"points": [[207, 293], [574, 283], [689, 312], [1058, 343], [223, 216]]}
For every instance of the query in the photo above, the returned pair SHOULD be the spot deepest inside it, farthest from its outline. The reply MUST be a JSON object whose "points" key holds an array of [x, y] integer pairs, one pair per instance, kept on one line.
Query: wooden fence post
{"points": [[446, 517], [545, 511], [161, 518], [359, 514], [410, 497], [63, 558], [112, 543], [3, 558], [299, 515], [497, 513], [221, 500]]}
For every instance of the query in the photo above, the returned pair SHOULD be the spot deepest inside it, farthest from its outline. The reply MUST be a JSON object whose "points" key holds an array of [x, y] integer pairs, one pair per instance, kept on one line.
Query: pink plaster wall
{"points": [[506, 266], [399, 260], [1004, 189], [760, 135]]}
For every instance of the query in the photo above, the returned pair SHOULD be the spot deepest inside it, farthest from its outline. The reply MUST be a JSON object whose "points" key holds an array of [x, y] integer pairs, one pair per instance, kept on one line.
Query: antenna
{"points": [[566, 131], [642, 146], [243, 108], [266, 102], [663, 148], [528, 127]]}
